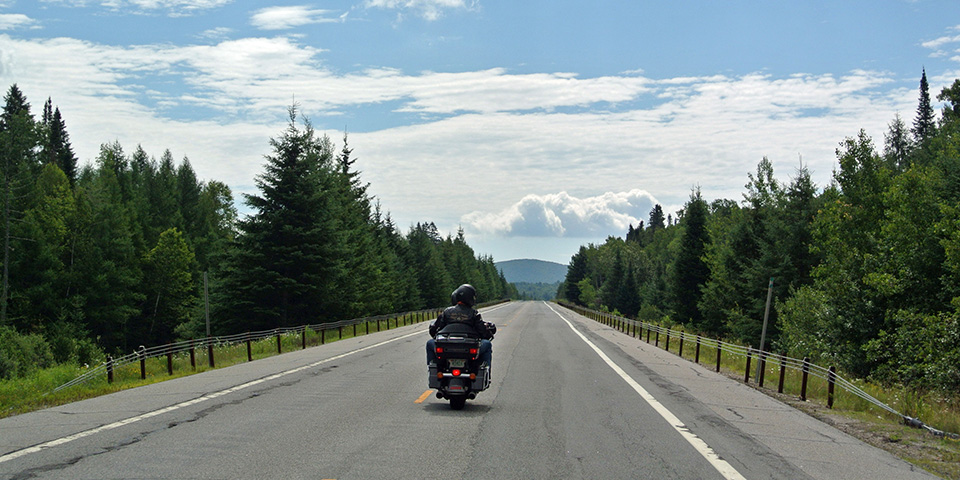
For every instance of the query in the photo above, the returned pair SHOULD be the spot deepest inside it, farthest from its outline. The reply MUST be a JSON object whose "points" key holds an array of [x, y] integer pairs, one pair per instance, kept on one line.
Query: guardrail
{"points": [[142, 354], [804, 366]]}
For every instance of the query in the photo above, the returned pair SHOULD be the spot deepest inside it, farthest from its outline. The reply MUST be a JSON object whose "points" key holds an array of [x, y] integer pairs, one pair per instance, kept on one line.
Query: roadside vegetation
{"points": [[865, 270], [103, 258]]}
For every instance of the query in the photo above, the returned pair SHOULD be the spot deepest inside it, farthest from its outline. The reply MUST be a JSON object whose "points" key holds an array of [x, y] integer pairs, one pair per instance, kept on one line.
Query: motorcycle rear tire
{"points": [[457, 403]]}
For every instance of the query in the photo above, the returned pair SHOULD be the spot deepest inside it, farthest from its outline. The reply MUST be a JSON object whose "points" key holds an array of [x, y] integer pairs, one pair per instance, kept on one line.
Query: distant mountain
{"points": [[532, 271]]}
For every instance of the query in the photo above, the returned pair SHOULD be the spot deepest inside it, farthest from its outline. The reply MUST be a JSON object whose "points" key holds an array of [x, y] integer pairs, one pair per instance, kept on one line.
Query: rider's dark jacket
{"points": [[461, 316]]}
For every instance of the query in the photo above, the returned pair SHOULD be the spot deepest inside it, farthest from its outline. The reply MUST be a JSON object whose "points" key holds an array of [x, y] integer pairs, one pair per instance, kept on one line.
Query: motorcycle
{"points": [[458, 374]]}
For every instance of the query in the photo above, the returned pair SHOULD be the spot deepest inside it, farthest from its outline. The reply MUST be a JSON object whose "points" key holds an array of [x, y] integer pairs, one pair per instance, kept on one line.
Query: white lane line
{"points": [[718, 463], [209, 396]]}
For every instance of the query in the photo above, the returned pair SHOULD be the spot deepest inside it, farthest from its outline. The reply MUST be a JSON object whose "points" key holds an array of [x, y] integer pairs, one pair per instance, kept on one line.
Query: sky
{"points": [[535, 126]]}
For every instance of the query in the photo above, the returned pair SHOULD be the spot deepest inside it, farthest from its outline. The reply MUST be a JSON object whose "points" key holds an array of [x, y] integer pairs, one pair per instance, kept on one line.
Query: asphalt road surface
{"points": [[570, 398]]}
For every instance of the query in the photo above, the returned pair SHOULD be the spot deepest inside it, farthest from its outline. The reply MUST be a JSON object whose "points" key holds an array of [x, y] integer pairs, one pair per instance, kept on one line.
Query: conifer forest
{"points": [[865, 270], [108, 256]]}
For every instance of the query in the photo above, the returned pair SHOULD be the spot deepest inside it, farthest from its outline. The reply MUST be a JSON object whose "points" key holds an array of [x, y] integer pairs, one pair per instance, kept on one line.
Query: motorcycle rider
{"points": [[462, 312]]}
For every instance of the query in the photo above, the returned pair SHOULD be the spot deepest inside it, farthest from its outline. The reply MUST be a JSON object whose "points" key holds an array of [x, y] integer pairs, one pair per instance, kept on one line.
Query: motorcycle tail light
{"points": [[439, 349], [456, 372], [440, 375], [473, 376], [473, 351]]}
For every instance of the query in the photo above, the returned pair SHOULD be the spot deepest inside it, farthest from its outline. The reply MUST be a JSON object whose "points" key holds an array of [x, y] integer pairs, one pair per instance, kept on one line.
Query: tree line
{"points": [[111, 255], [865, 270]]}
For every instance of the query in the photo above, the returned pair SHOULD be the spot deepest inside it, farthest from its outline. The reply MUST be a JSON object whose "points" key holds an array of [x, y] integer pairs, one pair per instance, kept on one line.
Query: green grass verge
{"points": [[35, 391]]}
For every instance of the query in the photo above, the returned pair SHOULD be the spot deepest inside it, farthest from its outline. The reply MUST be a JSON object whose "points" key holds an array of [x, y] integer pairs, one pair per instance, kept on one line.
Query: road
{"points": [[570, 399]]}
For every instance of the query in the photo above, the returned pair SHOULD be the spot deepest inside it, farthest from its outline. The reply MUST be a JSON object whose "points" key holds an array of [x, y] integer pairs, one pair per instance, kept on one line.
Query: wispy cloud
{"points": [[428, 9], [284, 18], [14, 21], [506, 134], [170, 7], [562, 215]]}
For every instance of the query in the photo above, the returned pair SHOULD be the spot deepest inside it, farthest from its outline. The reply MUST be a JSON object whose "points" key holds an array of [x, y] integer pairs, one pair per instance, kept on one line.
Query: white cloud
{"points": [[428, 9], [12, 21], [218, 33], [498, 134], [562, 215], [283, 18], [173, 7]]}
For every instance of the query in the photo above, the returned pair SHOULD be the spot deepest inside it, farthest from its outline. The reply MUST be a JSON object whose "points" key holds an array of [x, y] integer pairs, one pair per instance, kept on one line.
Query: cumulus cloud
{"points": [[428, 9], [12, 21], [563, 215], [284, 18]]}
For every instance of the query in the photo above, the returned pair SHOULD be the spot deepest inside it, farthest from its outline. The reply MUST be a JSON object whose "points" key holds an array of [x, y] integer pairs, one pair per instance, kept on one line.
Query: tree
{"points": [[285, 264], [18, 142], [923, 125], [169, 286], [576, 271], [56, 146], [689, 270], [897, 144]]}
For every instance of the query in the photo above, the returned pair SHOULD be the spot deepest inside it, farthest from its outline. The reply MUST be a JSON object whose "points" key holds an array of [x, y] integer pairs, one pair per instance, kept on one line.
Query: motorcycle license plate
{"points": [[458, 362]]}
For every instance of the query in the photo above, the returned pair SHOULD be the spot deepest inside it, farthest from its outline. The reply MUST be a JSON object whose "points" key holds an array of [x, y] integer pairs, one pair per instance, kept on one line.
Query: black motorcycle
{"points": [[458, 374]]}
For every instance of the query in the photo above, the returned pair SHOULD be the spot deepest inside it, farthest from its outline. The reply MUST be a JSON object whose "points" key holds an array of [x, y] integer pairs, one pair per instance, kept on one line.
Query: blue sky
{"points": [[537, 126]]}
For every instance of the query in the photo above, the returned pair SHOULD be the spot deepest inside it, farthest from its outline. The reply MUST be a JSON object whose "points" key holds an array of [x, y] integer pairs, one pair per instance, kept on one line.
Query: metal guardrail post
{"points": [[681, 345], [763, 367], [831, 381], [323, 336], [210, 354], [648, 333], [783, 371], [340, 332], [657, 342], [303, 339], [668, 340], [109, 369], [279, 347], [746, 375], [193, 354], [141, 352], [803, 382], [170, 363], [249, 349], [696, 355], [719, 349]]}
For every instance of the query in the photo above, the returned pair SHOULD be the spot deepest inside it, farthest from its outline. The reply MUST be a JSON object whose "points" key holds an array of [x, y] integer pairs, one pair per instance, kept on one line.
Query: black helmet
{"points": [[464, 294]]}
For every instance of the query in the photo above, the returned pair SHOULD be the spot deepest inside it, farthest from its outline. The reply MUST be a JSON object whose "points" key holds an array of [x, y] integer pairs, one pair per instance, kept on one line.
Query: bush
{"points": [[22, 354], [923, 352]]}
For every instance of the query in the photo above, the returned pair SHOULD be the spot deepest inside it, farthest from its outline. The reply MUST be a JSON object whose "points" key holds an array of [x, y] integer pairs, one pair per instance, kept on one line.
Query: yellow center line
{"points": [[424, 396]]}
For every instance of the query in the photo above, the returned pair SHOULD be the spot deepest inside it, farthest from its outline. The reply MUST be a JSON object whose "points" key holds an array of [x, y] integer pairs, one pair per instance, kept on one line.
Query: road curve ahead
{"points": [[570, 399]]}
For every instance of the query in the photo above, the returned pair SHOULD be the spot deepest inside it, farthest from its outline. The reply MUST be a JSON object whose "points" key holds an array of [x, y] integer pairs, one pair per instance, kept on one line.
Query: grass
{"points": [[35, 391]]}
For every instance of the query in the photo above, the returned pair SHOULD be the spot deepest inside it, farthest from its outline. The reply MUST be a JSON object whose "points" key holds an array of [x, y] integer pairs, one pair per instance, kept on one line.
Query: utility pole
{"points": [[766, 318], [206, 304]]}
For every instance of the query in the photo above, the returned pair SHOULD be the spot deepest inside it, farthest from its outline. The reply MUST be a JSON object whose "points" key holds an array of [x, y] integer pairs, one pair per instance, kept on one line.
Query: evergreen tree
{"points": [[923, 124], [897, 144], [18, 142], [689, 270], [576, 271], [283, 269]]}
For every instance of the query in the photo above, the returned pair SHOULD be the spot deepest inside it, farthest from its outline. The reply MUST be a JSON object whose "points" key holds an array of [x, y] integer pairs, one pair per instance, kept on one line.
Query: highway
{"points": [[570, 398]]}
